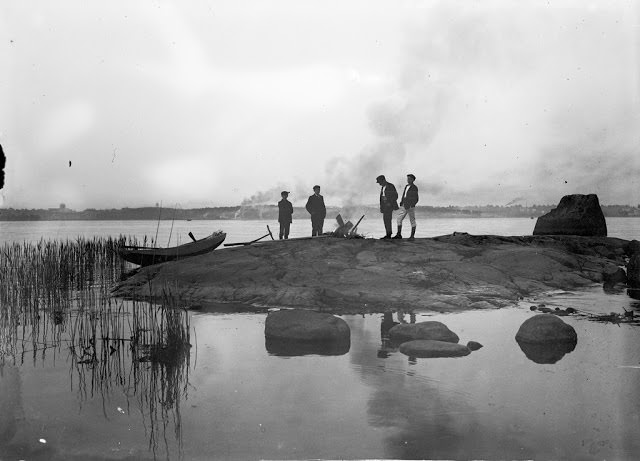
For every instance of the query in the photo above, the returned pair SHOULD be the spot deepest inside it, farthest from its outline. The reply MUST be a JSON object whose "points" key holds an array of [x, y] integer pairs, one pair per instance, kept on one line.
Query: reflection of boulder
{"points": [[546, 352], [305, 325], [545, 328], [575, 215], [291, 348], [431, 330], [425, 348]]}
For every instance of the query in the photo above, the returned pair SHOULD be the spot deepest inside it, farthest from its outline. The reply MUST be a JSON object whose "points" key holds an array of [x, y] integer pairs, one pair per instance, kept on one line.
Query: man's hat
{"points": [[316, 187], [411, 176], [284, 192], [381, 178]]}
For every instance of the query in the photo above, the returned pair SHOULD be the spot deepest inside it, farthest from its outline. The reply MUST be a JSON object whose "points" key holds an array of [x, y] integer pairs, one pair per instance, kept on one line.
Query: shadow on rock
{"points": [[292, 348], [546, 353]]}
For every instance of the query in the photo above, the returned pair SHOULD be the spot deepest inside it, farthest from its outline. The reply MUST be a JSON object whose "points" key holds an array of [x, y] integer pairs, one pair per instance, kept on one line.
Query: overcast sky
{"points": [[212, 103]]}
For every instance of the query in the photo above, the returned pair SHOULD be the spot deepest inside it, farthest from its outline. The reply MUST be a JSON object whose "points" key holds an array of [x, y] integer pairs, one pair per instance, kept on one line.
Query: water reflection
{"points": [[288, 348], [55, 308], [387, 346], [546, 353]]}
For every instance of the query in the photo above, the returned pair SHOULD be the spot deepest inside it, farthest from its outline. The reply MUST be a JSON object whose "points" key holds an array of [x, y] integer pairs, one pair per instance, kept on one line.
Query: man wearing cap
{"points": [[285, 210], [317, 210], [408, 206], [388, 203]]}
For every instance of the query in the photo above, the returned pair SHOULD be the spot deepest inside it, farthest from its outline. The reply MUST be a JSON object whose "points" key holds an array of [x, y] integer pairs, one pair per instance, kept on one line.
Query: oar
{"points": [[248, 243], [192, 237]]}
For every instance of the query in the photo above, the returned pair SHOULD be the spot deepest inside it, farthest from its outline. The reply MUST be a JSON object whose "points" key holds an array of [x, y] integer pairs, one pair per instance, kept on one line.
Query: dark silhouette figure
{"points": [[388, 203], [3, 162], [285, 210], [317, 210]]}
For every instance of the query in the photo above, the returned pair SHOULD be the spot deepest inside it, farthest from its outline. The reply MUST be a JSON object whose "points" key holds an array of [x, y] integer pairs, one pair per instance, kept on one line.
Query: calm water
{"points": [[241, 231], [233, 399], [241, 402]]}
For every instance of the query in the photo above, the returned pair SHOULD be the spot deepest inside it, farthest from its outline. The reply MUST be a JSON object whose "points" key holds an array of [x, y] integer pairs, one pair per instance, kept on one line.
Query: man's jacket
{"points": [[410, 197], [285, 210], [315, 206], [388, 201]]}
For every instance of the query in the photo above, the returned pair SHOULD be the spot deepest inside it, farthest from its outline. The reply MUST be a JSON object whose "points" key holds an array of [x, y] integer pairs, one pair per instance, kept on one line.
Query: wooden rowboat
{"points": [[145, 256]]}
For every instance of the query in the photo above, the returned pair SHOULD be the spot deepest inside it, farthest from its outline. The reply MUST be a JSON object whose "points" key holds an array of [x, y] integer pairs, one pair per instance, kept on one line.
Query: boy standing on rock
{"points": [[285, 210], [408, 206]]}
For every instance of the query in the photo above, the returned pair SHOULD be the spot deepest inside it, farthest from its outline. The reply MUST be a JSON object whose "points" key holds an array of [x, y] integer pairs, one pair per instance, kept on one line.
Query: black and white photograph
{"points": [[332, 230]]}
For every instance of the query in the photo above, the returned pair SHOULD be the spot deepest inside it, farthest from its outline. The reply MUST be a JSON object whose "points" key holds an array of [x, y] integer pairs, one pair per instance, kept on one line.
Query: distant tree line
{"points": [[271, 212]]}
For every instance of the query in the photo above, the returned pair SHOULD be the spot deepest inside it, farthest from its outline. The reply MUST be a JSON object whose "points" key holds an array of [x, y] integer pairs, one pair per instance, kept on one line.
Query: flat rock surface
{"points": [[447, 273]]}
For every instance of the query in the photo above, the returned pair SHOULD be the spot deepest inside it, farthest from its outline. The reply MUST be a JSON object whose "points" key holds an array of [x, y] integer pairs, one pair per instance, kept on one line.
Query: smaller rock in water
{"points": [[545, 328], [432, 330], [614, 275], [305, 325], [633, 271], [425, 348], [632, 248], [474, 345], [576, 214]]}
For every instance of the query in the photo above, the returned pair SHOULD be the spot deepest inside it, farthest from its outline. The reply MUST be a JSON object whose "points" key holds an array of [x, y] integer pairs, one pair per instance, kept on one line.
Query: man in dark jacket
{"points": [[317, 210], [285, 210], [388, 203], [408, 206]]}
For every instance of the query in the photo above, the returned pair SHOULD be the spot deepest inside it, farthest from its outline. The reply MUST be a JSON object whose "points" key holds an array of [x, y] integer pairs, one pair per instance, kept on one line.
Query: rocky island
{"points": [[340, 275], [356, 275]]}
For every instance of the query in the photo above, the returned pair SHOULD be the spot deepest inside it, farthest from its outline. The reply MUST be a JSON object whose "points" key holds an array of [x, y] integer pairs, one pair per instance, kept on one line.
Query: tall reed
{"points": [[55, 302]]}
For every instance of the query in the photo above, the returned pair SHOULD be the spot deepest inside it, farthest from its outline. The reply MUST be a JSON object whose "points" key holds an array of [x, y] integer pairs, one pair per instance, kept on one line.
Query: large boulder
{"points": [[546, 329], [305, 325], [432, 330], [425, 348], [575, 215]]}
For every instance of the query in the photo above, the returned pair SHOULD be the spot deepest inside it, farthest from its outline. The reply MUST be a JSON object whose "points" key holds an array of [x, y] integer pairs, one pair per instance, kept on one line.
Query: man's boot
{"points": [[399, 234], [413, 233]]}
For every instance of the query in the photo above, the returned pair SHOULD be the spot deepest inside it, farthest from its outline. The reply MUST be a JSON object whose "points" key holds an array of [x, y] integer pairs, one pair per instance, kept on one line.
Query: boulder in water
{"points": [[431, 330], [546, 328], [305, 325], [424, 348]]}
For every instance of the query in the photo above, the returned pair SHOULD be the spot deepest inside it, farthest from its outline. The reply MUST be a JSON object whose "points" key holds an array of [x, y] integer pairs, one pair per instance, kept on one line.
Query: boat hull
{"points": [[148, 256]]}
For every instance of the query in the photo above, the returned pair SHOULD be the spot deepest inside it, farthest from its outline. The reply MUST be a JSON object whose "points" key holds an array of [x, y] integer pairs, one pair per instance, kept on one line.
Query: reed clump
{"points": [[55, 302]]}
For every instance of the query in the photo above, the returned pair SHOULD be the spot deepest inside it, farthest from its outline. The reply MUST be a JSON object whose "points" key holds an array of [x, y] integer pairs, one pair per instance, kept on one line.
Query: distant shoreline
{"points": [[270, 212]]}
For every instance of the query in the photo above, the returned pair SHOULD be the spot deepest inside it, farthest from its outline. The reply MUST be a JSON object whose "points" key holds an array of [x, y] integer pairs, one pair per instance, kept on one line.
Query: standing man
{"points": [[317, 210], [408, 206], [285, 210], [388, 203]]}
